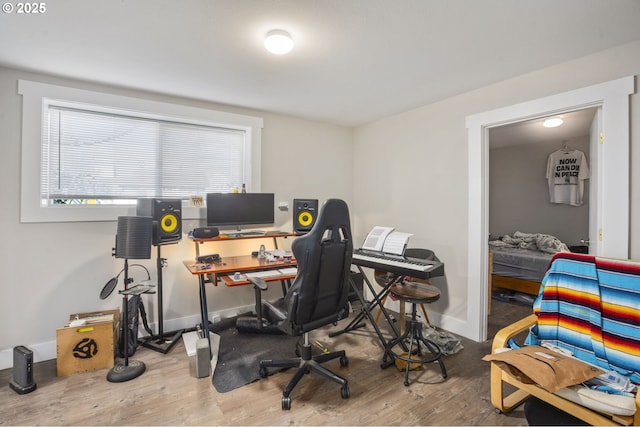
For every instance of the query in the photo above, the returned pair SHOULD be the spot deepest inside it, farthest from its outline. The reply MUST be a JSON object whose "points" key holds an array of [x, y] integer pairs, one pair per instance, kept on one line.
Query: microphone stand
{"points": [[129, 369]]}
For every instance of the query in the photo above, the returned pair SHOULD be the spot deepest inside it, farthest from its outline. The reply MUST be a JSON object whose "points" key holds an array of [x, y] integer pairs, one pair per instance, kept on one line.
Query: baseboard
{"points": [[47, 350], [450, 324]]}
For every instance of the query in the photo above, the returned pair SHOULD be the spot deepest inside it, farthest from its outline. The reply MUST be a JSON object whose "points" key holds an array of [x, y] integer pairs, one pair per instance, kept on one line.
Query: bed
{"points": [[518, 262], [518, 269]]}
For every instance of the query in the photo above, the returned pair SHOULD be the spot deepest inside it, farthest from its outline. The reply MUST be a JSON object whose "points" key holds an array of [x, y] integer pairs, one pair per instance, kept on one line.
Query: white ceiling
{"points": [[576, 124], [354, 61]]}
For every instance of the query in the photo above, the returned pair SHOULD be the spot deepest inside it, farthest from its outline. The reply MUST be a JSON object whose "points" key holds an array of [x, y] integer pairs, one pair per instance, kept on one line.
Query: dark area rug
{"points": [[240, 354]]}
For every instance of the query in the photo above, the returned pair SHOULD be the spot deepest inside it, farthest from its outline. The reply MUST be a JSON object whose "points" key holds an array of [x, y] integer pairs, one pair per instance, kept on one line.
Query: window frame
{"points": [[36, 97]]}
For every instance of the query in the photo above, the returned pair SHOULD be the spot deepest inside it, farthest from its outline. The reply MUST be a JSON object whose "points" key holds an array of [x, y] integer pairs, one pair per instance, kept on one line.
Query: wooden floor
{"points": [[169, 394]]}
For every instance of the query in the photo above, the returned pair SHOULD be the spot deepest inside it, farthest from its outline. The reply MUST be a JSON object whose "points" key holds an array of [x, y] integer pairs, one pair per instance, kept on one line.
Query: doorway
{"points": [[519, 207], [518, 187], [611, 191]]}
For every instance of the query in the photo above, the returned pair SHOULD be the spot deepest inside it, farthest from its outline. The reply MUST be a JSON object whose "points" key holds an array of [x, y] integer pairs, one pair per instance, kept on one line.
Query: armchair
{"points": [[317, 297], [590, 307]]}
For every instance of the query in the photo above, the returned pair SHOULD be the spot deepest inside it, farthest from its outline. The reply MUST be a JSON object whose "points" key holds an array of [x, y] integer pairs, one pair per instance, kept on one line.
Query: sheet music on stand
{"points": [[386, 240]]}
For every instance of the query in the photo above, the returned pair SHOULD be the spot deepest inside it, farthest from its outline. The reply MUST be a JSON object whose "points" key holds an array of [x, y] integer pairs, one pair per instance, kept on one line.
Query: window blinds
{"points": [[96, 155]]}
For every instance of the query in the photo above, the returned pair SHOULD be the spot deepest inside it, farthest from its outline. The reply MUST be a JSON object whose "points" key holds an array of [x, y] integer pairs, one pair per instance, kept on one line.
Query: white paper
{"points": [[215, 348], [376, 237], [189, 339], [396, 242], [386, 240]]}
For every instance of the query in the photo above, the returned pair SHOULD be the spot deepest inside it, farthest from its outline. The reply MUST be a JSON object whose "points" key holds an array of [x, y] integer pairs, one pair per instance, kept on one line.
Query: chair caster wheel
{"points": [[344, 361], [263, 372], [344, 392], [406, 383], [498, 411], [286, 403]]}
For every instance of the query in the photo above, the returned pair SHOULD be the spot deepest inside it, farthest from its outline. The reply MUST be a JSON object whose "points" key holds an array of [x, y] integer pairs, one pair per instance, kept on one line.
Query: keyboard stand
{"points": [[367, 308]]}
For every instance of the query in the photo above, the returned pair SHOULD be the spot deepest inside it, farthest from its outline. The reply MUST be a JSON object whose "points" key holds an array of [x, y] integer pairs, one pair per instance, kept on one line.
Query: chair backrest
{"points": [[591, 307], [421, 253], [319, 293]]}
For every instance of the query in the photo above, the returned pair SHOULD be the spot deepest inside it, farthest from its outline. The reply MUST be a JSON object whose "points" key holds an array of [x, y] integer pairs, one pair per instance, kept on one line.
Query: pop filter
{"points": [[108, 288]]}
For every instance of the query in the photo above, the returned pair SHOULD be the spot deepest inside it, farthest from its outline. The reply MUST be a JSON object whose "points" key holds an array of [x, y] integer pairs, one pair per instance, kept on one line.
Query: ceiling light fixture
{"points": [[553, 122], [278, 42]]}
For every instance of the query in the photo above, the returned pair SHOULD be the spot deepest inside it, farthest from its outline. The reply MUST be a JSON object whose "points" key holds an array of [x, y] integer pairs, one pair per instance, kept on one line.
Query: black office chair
{"points": [[318, 295]]}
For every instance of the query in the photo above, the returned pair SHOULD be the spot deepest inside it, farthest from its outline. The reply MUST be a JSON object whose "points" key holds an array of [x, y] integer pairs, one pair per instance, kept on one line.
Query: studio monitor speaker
{"points": [[167, 219], [22, 381], [305, 213]]}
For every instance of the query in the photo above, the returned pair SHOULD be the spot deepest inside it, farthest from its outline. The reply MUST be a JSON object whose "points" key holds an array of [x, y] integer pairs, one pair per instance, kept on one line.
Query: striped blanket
{"points": [[591, 307]]}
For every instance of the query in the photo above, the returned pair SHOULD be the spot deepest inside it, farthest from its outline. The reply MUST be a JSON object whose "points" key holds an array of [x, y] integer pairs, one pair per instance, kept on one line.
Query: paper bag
{"points": [[551, 370]]}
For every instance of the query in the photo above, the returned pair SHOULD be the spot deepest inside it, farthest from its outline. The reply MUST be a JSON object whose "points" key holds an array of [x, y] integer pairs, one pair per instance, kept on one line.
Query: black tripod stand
{"points": [[129, 369], [133, 241], [159, 342]]}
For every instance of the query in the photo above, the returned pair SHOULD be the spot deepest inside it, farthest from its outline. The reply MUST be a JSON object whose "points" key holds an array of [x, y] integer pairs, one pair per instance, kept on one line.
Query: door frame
{"points": [[612, 212]]}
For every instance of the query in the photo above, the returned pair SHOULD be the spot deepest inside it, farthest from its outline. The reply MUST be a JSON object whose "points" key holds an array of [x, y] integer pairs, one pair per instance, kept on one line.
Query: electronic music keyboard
{"points": [[398, 264]]}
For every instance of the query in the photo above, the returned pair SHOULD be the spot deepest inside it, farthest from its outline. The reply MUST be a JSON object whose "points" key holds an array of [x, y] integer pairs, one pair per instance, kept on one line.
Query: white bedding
{"points": [[532, 241], [524, 255]]}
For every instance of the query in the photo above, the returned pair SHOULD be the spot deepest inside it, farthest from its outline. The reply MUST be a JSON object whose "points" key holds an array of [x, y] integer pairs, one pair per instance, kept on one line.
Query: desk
{"points": [[215, 272]]}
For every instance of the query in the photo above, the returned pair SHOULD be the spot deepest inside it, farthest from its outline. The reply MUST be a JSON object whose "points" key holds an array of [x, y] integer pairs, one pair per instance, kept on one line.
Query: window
{"points": [[98, 153]]}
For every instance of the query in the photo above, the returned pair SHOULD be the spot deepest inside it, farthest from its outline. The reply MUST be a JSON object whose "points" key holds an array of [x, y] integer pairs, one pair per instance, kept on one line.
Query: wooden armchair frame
{"points": [[506, 403]]}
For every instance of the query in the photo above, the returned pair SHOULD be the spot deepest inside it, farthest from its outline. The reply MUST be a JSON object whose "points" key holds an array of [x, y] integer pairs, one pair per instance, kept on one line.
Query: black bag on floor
{"points": [[131, 328], [134, 307]]}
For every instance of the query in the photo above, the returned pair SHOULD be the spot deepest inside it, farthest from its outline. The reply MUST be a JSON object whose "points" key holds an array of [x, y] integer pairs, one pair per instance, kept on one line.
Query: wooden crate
{"points": [[87, 347]]}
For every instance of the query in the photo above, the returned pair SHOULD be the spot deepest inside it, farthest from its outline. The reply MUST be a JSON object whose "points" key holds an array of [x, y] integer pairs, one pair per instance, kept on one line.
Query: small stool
{"points": [[413, 293]]}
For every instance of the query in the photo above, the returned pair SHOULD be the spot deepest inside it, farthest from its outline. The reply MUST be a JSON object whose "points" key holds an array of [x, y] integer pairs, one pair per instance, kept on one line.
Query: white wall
{"points": [[48, 271], [411, 169]]}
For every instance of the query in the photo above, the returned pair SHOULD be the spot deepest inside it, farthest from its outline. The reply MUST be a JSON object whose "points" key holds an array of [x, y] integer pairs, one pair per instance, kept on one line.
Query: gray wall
{"points": [[519, 194]]}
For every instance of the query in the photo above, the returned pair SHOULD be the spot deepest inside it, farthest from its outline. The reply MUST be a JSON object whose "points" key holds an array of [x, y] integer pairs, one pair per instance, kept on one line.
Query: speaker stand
{"points": [[159, 342], [129, 369]]}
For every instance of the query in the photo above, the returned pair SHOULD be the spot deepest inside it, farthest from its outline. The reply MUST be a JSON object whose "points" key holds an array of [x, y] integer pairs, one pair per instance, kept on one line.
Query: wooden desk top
{"points": [[228, 279]]}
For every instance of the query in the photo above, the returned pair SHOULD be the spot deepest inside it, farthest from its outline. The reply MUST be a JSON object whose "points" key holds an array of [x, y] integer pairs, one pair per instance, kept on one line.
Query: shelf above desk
{"points": [[227, 238], [234, 236]]}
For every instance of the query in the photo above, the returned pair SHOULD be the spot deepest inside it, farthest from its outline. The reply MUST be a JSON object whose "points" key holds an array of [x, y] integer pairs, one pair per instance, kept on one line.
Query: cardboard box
{"points": [[533, 364], [88, 346]]}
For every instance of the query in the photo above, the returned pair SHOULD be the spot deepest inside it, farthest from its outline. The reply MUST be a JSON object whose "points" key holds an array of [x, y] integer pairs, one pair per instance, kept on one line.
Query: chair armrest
{"points": [[508, 332], [258, 282]]}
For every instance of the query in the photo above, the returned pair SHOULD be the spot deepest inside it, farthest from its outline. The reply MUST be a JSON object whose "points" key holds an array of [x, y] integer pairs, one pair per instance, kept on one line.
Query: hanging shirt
{"points": [[566, 172]]}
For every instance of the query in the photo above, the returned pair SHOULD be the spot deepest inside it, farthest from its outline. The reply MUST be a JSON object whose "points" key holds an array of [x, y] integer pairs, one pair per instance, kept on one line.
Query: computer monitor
{"points": [[236, 209]]}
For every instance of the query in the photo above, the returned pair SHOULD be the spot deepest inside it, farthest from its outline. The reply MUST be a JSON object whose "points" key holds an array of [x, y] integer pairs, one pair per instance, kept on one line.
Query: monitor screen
{"points": [[240, 208]]}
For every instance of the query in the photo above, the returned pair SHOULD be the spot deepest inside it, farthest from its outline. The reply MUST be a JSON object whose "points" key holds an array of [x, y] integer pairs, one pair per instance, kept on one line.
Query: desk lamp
{"points": [[133, 241]]}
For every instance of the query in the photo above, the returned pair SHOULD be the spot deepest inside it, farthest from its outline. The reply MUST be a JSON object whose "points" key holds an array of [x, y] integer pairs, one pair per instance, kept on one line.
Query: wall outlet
{"points": [[283, 206]]}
